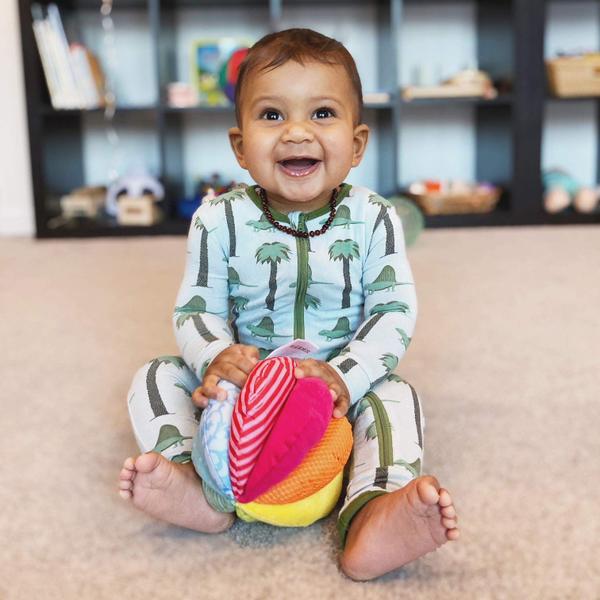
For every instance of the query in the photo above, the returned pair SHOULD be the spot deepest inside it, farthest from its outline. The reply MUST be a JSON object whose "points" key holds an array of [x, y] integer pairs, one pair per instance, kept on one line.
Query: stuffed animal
{"points": [[272, 452], [561, 190], [136, 184]]}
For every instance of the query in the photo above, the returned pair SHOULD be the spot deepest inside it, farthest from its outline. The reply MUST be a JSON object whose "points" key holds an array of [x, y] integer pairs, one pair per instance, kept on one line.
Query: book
{"points": [[88, 76], [71, 91], [48, 66], [72, 73]]}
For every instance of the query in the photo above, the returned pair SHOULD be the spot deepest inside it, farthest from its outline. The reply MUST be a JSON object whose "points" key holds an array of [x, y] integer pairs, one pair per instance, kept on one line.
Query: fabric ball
{"points": [[318, 468], [273, 453], [299, 426]]}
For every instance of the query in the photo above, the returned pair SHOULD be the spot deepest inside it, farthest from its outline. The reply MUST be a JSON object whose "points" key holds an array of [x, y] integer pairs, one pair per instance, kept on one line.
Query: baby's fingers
{"points": [[199, 399], [340, 406], [210, 389]]}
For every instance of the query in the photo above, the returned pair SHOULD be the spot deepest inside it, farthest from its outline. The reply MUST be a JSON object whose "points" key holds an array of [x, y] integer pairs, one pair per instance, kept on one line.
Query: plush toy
{"points": [[138, 183], [561, 190], [273, 452]]}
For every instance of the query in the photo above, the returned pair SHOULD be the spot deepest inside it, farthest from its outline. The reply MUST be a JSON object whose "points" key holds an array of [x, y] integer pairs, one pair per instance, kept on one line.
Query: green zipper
{"points": [[302, 283], [383, 428]]}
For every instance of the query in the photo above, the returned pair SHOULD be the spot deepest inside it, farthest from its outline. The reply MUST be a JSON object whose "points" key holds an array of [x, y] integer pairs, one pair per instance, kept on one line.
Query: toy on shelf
{"points": [[134, 198], [572, 75], [230, 71], [465, 84], [272, 452], [454, 197], [561, 190], [181, 94], [215, 68], [206, 189], [85, 202]]}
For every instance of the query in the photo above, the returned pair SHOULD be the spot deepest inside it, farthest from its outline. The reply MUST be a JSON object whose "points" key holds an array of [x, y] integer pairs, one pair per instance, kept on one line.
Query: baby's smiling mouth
{"points": [[299, 167]]}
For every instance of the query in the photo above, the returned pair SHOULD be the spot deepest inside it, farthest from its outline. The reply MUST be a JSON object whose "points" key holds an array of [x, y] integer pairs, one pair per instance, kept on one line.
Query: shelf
{"points": [[230, 108], [197, 109], [68, 147], [175, 4], [94, 5], [552, 98], [570, 217], [49, 111], [87, 229], [501, 100]]}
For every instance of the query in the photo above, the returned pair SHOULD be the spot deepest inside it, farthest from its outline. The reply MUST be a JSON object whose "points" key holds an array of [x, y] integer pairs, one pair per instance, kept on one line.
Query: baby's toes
{"points": [[128, 470], [126, 477], [126, 488], [449, 523], [448, 511], [445, 498]]}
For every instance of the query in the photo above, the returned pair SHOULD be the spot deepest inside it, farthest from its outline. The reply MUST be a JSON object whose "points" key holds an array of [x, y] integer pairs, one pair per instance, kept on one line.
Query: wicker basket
{"points": [[575, 75], [482, 201]]}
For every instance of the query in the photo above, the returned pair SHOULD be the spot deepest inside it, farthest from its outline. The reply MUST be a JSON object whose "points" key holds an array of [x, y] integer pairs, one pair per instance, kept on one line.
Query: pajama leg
{"points": [[163, 418], [388, 445]]}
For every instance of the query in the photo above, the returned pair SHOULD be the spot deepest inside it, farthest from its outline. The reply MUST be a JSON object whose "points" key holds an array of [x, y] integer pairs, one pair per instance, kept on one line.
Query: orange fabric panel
{"points": [[319, 467]]}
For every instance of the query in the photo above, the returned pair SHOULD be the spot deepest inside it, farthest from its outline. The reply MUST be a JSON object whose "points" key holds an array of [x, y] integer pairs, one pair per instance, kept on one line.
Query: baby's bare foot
{"points": [[396, 528], [171, 492]]}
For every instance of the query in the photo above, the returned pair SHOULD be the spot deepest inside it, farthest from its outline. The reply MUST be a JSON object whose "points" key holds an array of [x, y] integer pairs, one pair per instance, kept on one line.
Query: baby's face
{"points": [[298, 139]]}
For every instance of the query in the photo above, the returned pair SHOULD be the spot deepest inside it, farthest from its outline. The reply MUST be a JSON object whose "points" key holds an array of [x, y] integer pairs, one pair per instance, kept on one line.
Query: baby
{"points": [[301, 255]]}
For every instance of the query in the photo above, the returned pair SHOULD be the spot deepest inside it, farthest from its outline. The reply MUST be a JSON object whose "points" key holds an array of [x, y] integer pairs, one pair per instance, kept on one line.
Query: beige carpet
{"points": [[506, 356]]}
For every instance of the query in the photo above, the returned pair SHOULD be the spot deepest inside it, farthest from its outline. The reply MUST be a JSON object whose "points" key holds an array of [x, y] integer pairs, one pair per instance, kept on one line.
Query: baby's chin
{"points": [[301, 202]]}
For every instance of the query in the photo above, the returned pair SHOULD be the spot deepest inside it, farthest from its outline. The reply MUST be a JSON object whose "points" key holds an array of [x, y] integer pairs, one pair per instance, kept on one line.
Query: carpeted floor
{"points": [[506, 357]]}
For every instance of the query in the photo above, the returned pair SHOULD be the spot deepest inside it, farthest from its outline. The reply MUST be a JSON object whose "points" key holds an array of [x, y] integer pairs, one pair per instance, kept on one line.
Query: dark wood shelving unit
{"points": [[510, 44]]}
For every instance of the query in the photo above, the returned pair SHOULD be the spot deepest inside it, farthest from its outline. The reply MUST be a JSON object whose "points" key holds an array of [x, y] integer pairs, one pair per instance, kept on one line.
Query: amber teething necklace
{"points": [[290, 230]]}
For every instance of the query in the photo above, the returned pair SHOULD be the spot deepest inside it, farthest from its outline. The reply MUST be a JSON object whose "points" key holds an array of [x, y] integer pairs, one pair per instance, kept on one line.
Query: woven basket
{"points": [[575, 75], [482, 201]]}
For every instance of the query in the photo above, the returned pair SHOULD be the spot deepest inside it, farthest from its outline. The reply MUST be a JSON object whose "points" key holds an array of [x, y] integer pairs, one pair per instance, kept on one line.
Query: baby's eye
{"points": [[270, 115], [323, 113]]}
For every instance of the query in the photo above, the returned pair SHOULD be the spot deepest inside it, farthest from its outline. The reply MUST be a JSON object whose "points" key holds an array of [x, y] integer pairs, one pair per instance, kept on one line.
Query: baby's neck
{"points": [[285, 206]]}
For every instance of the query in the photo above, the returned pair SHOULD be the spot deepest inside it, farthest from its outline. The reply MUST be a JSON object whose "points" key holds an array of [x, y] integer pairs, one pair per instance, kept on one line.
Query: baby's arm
{"points": [[202, 305], [390, 309]]}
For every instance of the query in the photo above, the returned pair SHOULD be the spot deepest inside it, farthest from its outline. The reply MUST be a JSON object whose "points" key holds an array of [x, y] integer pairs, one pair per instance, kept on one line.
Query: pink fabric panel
{"points": [[299, 426], [256, 409]]}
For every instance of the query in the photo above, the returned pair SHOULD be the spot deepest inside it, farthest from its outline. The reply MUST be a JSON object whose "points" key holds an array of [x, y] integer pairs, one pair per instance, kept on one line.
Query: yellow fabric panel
{"points": [[296, 514], [319, 466]]}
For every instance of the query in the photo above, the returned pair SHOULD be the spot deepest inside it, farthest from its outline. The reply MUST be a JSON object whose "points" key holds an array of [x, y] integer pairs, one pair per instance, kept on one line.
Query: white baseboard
{"points": [[17, 225]]}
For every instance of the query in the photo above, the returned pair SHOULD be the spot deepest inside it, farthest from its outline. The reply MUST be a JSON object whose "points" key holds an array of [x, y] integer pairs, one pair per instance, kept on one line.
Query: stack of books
{"points": [[73, 74]]}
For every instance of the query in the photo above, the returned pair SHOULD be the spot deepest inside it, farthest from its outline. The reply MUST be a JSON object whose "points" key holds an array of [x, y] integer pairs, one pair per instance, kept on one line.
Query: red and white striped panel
{"points": [[259, 403]]}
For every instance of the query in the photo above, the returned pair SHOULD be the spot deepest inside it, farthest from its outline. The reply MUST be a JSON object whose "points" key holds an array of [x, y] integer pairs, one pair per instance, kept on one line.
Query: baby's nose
{"points": [[298, 131]]}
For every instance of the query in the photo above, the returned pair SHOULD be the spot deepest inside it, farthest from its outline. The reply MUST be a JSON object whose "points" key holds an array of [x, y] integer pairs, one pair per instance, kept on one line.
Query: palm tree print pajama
{"points": [[349, 291]]}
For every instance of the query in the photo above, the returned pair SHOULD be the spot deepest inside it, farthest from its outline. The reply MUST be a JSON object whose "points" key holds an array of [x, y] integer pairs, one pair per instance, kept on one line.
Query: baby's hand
{"points": [[310, 367], [232, 364]]}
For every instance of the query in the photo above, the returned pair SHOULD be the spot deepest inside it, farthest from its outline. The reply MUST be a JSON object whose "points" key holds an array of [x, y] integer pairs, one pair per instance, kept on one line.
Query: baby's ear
{"points": [[361, 137], [236, 139]]}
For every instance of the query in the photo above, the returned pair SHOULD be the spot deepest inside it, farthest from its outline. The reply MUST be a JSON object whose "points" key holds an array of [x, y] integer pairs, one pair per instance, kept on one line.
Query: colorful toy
{"points": [[561, 190], [228, 75], [205, 188], [215, 68], [273, 453]]}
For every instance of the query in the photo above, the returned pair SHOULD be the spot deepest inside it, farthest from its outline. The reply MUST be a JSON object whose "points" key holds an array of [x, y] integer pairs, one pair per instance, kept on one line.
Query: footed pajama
{"points": [[349, 291]]}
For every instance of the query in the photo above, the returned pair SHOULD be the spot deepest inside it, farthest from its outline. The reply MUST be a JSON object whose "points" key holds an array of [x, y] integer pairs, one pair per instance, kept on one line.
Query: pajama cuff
{"points": [[347, 514], [355, 377], [208, 355]]}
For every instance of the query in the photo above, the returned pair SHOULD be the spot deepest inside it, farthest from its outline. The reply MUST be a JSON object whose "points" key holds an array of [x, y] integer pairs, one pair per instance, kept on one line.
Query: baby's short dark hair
{"points": [[300, 45]]}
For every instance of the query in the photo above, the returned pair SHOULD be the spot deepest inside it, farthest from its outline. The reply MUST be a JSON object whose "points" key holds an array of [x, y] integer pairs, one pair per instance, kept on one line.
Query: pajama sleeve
{"points": [[200, 318], [390, 308]]}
